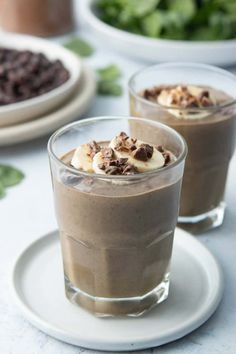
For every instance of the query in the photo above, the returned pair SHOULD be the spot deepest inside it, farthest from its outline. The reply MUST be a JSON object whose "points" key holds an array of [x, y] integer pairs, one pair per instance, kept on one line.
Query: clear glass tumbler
{"points": [[210, 140], [116, 232]]}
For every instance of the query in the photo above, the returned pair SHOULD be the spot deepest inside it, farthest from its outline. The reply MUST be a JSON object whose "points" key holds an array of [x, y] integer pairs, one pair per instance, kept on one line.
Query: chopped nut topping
{"points": [[122, 160], [133, 147], [107, 153], [122, 144], [94, 148], [123, 136], [113, 170], [117, 166], [129, 170], [180, 96]]}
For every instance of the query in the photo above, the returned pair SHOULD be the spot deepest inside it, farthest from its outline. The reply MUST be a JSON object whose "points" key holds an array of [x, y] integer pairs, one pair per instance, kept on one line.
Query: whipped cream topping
{"points": [[123, 155], [187, 98]]}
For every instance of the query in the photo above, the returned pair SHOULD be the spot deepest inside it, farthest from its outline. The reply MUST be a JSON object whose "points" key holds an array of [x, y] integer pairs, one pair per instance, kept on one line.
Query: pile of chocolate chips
{"points": [[143, 153], [25, 75], [113, 166], [182, 100]]}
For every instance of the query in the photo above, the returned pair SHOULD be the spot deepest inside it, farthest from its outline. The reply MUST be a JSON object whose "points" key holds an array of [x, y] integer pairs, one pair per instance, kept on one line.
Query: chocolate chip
{"points": [[121, 147], [149, 150], [107, 153], [122, 160], [102, 166], [140, 154], [130, 170], [167, 158], [153, 93], [205, 94], [94, 148], [160, 148], [133, 147], [113, 170], [206, 102], [123, 135]]}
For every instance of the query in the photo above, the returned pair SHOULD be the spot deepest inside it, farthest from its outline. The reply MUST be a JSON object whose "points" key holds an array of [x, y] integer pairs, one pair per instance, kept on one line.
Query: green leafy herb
{"points": [[172, 19], [79, 46], [9, 176], [110, 72], [2, 191], [141, 8], [109, 88], [107, 82], [186, 8], [153, 24]]}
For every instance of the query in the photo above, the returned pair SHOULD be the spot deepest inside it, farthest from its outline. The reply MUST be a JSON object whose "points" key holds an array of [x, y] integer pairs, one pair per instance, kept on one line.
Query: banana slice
{"points": [[82, 159], [97, 160], [156, 161]]}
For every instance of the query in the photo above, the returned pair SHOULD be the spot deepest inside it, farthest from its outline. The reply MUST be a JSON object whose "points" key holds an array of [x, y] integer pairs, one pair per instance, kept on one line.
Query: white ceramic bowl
{"points": [[35, 107], [159, 50]]}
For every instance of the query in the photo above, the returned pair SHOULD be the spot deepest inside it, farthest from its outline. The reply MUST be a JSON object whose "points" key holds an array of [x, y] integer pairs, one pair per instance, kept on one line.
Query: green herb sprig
{"points": [[9, 176], [172, 19], [108, 81], [79, 46]]}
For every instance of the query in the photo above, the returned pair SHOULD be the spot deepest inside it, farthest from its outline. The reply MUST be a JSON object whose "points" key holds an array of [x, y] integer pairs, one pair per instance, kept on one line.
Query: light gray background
{"points": [[27, 212]]}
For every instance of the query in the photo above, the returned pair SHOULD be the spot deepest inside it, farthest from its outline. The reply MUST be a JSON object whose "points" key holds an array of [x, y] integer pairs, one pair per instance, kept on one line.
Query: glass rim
{"points": [[181, 64], [137, 176]]}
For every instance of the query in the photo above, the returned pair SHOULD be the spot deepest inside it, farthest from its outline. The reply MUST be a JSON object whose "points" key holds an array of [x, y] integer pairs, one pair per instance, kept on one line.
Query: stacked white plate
{"points": [[41, 115]]}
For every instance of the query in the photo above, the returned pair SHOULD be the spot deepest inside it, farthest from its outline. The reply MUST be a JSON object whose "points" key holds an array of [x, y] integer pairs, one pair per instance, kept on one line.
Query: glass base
{"points": [[201, 223], [106, 307]]}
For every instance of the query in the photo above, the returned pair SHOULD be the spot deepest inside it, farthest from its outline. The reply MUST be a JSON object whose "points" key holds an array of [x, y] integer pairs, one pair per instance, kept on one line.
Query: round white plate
{"points": [[72, 109], [195, 292], [34, 107], [159, 50]]}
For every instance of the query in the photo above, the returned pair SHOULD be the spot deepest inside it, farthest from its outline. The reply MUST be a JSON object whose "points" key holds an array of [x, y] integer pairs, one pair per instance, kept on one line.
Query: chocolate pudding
{"points": [[117, 223], [201, 115]]}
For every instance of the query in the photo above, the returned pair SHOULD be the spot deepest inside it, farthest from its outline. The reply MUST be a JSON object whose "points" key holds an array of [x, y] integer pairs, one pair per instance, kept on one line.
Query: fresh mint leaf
{"points": [[107, 82], [186, 8], [153, 24], [140, 8], [109, 88], [10, 176], [180, 19], [110, 72], [79, 46], [222, 25], [204, 34], [2, 191]]}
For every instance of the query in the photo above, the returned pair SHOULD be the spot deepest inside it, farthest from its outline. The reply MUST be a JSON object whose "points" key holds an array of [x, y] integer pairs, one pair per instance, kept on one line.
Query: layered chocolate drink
{"points": [[117, 204], [205, 117]]}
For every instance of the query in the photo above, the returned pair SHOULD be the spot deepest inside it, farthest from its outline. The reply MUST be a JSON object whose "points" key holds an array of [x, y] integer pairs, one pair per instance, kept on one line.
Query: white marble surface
{"points": [[27, 212]]}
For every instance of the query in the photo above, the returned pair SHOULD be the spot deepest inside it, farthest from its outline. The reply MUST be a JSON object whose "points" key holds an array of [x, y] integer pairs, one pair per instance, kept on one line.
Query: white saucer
{"points": [[72, 109], [195, 292]]}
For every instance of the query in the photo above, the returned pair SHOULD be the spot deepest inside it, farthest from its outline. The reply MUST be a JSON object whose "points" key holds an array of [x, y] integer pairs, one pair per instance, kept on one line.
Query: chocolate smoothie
{"points": [[117, 224], [199, 114]]}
